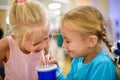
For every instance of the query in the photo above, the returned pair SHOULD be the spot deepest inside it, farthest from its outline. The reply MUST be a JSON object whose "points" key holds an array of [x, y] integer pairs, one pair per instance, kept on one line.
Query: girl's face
{"points": [[36, 40], [74, 43]]}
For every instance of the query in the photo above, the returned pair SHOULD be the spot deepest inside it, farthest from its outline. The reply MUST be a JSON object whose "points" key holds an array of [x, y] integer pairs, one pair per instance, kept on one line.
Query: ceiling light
{"points": [[54, 5]]}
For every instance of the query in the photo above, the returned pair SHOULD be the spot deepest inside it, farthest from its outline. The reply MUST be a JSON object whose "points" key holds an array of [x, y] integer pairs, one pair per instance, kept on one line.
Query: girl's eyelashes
{"points": [[40, 41], [37, 43], [46, 38], [67, 41]]}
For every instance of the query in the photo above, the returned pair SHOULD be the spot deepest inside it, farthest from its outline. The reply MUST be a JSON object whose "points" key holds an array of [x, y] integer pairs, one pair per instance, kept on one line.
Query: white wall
{"points": [[114, 9]]}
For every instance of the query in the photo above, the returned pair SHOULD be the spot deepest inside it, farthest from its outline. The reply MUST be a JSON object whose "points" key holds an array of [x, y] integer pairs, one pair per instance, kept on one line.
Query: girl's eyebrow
{"points": [[65, 37]]}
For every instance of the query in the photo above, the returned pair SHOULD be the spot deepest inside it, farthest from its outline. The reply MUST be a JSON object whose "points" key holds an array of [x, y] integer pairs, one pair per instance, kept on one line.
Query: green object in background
{"points": [[59, 40]]}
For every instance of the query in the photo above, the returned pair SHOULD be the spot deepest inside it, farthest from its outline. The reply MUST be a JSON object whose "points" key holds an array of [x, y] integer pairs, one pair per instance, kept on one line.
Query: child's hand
{"points": [[41, 62], [51, 60], [116, 51]]}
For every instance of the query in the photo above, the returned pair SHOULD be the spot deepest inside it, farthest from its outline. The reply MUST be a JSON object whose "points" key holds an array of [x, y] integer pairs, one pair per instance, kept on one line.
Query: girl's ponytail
{"points": [[17, 1]]}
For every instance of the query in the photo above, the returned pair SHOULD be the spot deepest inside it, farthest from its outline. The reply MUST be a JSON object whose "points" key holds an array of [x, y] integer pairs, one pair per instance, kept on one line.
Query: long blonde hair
{"points": [[26, 12], [88, 21]]}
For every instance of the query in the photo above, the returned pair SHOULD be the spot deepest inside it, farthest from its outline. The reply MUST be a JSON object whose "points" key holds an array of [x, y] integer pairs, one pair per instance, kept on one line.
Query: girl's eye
{"points": [[40, 41], [67, 41], [46, 38], [37, 43]]}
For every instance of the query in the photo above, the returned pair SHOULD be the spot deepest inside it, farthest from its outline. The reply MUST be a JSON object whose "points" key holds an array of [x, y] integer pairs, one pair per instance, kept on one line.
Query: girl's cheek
{"points": [[34, 49]]}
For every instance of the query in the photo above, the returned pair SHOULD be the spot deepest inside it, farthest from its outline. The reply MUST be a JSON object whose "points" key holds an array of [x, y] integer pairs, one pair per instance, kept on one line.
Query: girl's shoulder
{"points": [[103, 59], [4, 44], [4, 48]]}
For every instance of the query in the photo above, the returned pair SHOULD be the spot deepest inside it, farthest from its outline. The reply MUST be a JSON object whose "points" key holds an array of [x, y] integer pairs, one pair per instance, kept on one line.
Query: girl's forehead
{"points": [[35, 26], [38, 33], [68, 33]]}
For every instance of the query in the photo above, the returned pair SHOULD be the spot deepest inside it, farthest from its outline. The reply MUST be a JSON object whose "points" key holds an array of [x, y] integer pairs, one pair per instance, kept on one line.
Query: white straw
{"points": [[43, 56], [48, 53]]}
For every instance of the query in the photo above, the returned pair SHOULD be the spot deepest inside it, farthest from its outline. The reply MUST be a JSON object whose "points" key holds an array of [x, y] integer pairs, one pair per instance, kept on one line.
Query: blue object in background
{"points": [[59, 40]]}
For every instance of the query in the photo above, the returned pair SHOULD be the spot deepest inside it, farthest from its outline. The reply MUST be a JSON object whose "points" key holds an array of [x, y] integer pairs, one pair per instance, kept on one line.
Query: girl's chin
{"points": [[72, 55]]}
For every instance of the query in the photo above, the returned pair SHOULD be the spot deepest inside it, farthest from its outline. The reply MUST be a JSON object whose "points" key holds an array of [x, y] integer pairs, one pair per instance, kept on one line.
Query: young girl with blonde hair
{"points": [[83, 30], [22, 50]]}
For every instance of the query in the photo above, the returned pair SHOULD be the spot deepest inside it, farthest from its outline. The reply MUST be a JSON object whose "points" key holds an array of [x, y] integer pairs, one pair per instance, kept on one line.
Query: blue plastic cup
{"points": [[47, 72]]}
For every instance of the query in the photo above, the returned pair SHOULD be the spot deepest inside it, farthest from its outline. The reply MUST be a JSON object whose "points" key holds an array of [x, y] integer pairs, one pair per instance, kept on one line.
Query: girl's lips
{"points": [[69, 52], [37, 51]]}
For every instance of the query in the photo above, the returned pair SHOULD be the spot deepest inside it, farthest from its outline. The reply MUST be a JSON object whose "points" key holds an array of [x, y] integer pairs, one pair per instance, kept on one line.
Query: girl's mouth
{"points": [[69, 52], [37, 51]]}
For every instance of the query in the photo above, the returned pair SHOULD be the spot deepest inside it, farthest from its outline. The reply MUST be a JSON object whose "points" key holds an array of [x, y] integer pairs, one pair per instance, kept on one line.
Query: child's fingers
{"points": [[52, 60], [41, 62], [46, 59]]}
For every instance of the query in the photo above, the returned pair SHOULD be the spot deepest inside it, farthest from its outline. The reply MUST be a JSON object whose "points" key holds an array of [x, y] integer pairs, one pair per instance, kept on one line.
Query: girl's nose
{"points": [[43, 45]]}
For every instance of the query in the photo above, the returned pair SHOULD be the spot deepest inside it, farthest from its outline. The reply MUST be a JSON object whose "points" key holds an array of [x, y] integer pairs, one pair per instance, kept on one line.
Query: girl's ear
{"points": [[92, 41]]}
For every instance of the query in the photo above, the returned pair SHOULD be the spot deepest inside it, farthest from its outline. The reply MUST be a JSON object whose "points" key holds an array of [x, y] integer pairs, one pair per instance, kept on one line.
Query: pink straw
{"points": [[21, 1]]}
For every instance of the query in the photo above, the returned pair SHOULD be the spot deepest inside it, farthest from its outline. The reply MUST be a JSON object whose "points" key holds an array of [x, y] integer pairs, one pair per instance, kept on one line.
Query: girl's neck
{"points": [[91, 55], [19, 44]]}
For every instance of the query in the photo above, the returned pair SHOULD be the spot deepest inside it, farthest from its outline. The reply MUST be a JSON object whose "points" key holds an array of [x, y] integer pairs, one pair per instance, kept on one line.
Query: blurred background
{"points": [[55, 9]]}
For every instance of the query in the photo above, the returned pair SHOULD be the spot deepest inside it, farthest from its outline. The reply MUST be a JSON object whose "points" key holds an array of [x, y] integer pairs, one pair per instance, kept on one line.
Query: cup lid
{"points": [[47, 67]]}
